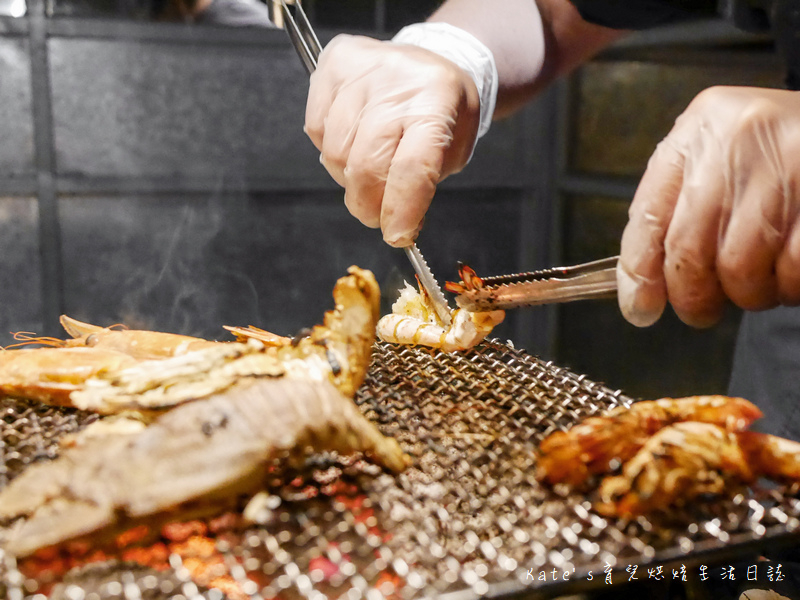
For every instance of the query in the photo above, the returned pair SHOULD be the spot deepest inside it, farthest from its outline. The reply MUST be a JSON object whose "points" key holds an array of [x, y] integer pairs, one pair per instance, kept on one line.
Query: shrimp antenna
{"points": [[29, 338]]}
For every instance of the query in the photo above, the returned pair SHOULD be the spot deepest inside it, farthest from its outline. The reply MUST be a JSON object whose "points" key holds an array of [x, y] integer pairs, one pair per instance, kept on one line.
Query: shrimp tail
{"points": [[771, 456]]}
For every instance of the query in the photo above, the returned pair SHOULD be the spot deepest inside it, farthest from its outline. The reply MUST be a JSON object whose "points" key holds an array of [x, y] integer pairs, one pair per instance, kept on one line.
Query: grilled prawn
{"points": [[413, 320], [679, 463], [687, 460], [197, 458], [599, 444], [140, 344], [250, 332], [109, 371], [50, 375], [338, 351]]}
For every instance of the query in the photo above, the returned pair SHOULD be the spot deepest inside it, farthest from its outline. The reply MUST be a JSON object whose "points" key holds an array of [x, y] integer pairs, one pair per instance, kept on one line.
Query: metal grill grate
{"points": [[467, 519]]}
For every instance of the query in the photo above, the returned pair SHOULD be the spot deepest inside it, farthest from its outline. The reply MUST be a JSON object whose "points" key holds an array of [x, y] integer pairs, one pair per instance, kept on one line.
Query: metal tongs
{"points": [[597, 279], [307, 45]]}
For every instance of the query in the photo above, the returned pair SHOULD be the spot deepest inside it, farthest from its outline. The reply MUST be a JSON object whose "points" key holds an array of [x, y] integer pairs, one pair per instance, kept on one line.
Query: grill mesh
{"points": [[468, 517]]}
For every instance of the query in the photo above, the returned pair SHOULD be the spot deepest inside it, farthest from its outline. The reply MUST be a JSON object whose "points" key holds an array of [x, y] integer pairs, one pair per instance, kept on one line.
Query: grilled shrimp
{"points": [[691, 459], [196, 459], [108, 381], [140, 344], [413, 320], [678, 464], [50, 375], [250, 332], [600, 444], [771, 456], [337, 351]]}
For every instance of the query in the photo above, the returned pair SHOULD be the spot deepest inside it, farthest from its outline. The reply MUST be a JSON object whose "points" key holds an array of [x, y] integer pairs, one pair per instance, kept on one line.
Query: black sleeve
{"points": [[641, 14]]}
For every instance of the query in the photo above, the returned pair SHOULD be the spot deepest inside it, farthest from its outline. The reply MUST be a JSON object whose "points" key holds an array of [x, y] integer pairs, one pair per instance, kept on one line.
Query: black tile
{"points": [[181, 111], [193, 264], [20, 271], [668, 358], [16, 126]]}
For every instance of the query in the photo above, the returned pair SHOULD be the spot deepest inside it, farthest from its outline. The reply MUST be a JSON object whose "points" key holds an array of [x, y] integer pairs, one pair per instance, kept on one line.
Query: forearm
{"points": [[532, 45]]}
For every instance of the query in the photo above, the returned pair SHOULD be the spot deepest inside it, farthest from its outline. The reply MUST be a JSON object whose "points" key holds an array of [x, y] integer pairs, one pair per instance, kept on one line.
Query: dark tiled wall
{"points": [[155, 109], [16, 126], [20, 274], [194, 113], [625, 108], [666, 359], [191, 264]]}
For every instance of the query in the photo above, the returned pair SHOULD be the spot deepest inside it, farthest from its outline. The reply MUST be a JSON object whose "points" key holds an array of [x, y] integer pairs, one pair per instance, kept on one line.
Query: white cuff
{"points": [[466, 51]]}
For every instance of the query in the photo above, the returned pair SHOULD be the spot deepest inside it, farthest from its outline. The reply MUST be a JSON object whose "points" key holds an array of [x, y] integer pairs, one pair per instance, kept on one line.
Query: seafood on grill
{"points": [[109, 371], [154, 385], [661, 454], [198, 458], [688, 460], [600, 444], [138, 343], [414, 321], [51, 375], [251, 332]]}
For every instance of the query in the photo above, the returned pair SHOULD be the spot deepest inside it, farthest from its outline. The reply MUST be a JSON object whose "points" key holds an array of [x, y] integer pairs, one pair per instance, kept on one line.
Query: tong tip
{"points": [[429, 283]]}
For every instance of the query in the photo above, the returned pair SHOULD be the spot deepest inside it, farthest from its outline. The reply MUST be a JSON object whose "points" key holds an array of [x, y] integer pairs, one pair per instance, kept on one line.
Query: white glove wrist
{"points": [[463, 49]]}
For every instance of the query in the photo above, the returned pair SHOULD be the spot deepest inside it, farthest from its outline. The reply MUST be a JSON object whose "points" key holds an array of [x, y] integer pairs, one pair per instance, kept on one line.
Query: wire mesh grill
{"points": [[468, 518]]}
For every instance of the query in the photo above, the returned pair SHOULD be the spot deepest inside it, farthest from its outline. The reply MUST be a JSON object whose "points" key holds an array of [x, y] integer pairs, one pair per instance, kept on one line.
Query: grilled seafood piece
{"points": [[250, 332], [50, 375], [771, 456], [413, 320], [196, 458], [108, 381], [691, 459], [679, 463], [140, 344], [159, 384], [601, 444], [337, 351]]}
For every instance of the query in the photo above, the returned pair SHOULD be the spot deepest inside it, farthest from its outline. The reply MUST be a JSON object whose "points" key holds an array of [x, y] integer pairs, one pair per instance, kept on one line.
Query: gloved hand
{"points": [[716, 212], [391, 121]]}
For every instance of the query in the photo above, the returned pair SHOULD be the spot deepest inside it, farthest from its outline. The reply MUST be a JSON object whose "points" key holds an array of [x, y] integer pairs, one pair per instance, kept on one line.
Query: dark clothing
{"points": [[236, 13], [766, 368], [750, 15], [780, 17], [641, 14]]}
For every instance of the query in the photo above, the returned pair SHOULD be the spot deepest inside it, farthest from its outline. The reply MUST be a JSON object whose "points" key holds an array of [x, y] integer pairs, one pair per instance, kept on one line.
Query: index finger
{"points": [[415, 171], [642, 290], [323, 87]]}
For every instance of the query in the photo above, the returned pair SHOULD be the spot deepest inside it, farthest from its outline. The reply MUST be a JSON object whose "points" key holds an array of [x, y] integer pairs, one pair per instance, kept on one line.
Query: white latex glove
{"points": [[392, 120], [716, 212]]}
